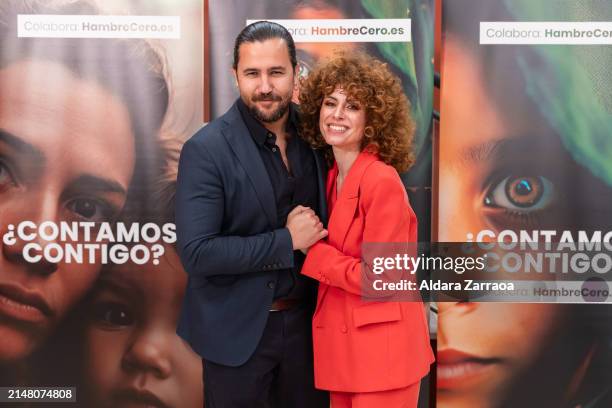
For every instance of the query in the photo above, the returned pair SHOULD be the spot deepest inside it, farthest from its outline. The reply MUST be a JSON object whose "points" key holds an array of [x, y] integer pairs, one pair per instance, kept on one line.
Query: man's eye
{"points": [[521, 193], [89, 209], [113, 314]]}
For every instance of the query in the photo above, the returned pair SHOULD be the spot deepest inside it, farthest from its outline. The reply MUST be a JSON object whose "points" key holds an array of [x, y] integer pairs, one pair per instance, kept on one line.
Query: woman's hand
{"points": [[304, 227]]}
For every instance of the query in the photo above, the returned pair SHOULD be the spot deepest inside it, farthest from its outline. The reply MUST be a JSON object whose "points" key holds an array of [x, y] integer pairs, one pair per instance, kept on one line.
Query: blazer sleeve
{"points": [[388, 219], [204, 251]]}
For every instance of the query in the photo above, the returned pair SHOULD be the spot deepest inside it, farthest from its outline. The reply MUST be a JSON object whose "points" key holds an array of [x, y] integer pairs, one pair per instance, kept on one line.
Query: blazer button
{"points": [[271, 284], [344, 329]]}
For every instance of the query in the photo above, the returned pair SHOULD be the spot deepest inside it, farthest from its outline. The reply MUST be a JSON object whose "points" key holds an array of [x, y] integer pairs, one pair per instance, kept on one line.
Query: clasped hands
{"points": [[305, 228]]}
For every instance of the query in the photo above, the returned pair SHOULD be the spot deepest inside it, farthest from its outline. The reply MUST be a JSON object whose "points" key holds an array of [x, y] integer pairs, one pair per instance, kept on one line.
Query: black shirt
{"points": [[291, 188]]}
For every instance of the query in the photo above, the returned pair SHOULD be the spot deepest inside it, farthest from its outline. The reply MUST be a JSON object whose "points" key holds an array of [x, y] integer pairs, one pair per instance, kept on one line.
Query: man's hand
{"points": [[305, 227]]}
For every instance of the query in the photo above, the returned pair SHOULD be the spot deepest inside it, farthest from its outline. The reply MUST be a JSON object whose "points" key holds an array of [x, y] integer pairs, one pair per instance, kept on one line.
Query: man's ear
{"points": [[235, 74], [296, 74]]}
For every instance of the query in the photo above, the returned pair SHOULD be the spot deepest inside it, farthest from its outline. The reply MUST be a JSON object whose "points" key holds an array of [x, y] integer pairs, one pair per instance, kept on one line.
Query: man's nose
{"points": [[265, 86]]}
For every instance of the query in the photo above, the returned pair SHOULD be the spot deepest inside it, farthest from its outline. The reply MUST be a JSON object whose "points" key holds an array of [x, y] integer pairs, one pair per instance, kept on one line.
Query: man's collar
{"points": [[258, 130]]}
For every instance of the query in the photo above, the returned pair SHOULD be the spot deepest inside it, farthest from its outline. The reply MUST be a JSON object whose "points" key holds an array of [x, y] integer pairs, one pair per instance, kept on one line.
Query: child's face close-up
{"points": [[133, 356]]}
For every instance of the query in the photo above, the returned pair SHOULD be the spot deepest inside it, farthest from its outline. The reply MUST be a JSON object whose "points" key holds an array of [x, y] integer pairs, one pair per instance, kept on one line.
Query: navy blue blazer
{"points": [[225, 210]]}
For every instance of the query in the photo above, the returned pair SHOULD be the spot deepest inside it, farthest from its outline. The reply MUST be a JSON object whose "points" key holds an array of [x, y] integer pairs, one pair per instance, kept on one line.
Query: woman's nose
{"points": [[339, 112], [28, 255], [22, 244]]}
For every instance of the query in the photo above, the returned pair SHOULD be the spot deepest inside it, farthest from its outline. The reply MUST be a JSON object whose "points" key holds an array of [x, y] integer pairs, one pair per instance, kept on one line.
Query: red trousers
{"points": [[407, 397]]}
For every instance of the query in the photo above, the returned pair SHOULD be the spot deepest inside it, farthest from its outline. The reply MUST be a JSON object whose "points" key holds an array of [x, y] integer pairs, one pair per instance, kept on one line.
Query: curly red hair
{"points": [[389, 129]]}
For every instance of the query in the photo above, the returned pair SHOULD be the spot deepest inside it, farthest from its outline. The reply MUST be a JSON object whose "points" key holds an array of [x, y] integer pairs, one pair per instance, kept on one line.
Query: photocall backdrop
{"points": [[524, 150], [97, 99], [316, 26]]}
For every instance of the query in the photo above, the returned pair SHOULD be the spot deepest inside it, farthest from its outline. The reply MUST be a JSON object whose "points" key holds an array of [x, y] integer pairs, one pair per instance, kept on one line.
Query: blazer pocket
{"points": [[376, 313]]}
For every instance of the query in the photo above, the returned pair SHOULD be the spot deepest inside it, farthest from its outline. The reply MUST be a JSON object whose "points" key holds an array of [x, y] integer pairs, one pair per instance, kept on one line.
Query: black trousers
{"points": [[278, 375]]}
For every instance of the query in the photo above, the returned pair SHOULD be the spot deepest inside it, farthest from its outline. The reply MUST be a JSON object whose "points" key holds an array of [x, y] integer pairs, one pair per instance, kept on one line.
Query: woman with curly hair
{"points": [[367, 353]]}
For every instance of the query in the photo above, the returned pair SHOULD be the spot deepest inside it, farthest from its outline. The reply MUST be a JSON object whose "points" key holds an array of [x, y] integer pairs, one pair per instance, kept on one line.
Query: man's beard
{"points": [[274, 115]]}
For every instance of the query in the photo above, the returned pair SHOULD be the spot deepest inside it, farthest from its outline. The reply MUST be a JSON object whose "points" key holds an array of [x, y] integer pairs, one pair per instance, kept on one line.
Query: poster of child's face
{"points": [[131, 351], [521, 137]]}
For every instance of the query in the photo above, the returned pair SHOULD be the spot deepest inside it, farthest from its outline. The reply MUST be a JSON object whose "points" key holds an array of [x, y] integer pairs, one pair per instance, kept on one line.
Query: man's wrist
{"points": [[286, 244]]}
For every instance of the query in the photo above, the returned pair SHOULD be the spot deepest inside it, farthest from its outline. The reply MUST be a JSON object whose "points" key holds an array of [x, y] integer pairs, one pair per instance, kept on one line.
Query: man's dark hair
{"points": [[261, 31]]}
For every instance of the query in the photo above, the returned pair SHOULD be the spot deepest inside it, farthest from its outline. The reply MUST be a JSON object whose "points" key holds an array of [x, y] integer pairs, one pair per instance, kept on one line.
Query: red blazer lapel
{"points": [[341, 216], [346, 204]]}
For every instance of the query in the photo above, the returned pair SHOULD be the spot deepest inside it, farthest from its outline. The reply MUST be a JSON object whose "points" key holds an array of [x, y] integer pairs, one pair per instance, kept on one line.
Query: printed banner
{"points": [[347, 30], [58, 26], [95, 104], [524, 157], [399, 32]]}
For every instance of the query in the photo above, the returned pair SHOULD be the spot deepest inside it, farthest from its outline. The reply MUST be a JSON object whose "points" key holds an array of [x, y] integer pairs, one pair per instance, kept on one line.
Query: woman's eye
{"points": [[6, 177], [89, 209], [113, 314], [521, 193]]}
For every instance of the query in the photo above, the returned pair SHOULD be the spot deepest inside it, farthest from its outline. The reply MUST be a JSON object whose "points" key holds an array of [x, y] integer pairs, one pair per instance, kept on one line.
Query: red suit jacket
{"points": [[364, 346]]}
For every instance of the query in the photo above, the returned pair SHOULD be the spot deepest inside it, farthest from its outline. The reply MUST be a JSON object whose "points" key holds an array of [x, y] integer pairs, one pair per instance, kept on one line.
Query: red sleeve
{"points": [[388, 218]]}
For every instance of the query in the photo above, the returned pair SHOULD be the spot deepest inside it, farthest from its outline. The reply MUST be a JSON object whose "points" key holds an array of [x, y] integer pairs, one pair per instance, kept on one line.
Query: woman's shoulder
{"points": [[381, 183], [378, 172]]}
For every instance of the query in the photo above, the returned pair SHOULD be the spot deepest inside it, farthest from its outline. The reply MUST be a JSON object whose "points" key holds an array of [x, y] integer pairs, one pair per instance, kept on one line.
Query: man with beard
{"points": [[247, 197]]}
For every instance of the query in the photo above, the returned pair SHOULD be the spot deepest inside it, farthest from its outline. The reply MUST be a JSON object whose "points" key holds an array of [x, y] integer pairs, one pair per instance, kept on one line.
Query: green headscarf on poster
{"points": [[413, 59], [575, 94]]}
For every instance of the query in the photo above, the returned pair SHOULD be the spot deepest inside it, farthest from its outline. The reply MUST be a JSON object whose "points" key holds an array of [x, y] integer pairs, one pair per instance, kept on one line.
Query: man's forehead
{"points": [[272, 46]]}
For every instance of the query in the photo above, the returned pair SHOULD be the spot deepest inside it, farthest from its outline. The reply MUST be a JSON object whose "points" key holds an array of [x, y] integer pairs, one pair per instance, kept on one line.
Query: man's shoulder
{"points": [[210, 135]]}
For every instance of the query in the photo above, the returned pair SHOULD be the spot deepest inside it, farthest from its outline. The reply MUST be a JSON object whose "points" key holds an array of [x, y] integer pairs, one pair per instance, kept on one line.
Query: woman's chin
{"points": [[343, 145], [15, 344], [464, 401]]}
